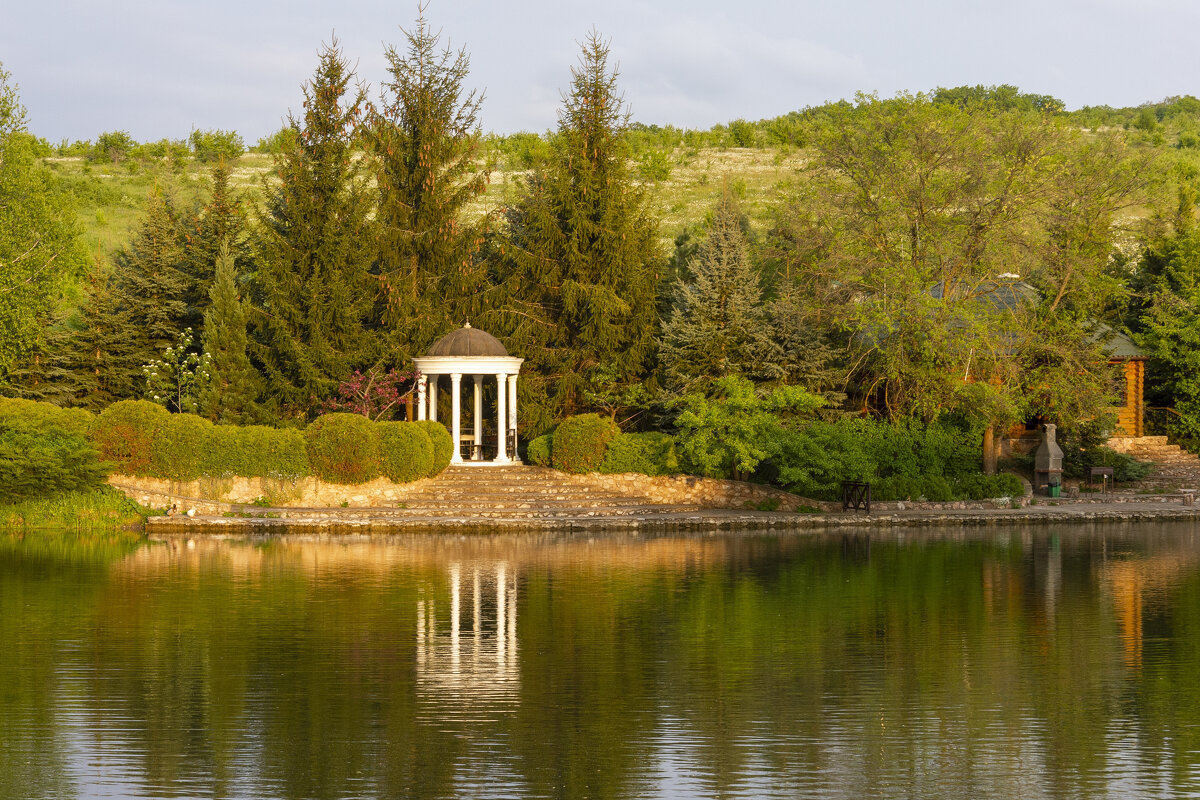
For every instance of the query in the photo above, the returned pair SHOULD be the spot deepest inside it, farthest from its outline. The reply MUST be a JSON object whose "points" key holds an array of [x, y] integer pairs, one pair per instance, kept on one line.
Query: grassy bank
{"points": [[102, 510]]}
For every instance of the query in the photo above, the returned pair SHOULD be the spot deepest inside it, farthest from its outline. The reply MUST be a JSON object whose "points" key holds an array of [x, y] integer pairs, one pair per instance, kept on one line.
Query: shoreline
{"points": [[690, 521]]}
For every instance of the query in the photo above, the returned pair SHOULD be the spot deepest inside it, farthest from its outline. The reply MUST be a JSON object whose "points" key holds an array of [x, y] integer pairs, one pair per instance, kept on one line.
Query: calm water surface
{"points": [[1011, 664]]}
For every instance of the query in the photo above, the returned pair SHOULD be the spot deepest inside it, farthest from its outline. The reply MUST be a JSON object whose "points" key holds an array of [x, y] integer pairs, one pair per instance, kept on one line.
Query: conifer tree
{"points": [[718, 325], [233, 387], [313, 290], [581, 270], [424, 141], [104, 360], [218, 223], [151, 285]]}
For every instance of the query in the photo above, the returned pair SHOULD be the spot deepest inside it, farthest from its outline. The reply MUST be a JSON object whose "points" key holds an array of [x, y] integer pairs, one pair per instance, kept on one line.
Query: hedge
{"points": [[538, 450], [580, 442], [343, 448], [405, 451], [125, 433], [38, 414], [646, 453], [257, 451], [442, 442], [183, 448]]}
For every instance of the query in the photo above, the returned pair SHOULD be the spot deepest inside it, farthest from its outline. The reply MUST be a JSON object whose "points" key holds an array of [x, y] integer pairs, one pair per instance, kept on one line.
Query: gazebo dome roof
{"points": [[468, 341]]}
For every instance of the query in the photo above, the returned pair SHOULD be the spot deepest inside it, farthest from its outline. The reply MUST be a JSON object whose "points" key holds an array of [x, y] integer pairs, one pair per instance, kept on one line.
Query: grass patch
{"points": [[104, 509]]}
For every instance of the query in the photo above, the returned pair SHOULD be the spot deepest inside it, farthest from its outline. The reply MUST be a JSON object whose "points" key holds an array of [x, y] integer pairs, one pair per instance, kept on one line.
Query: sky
{"points": [[161, 68]]}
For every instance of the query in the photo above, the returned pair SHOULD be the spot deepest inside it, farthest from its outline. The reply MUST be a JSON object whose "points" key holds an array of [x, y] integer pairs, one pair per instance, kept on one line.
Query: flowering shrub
{"points": [[375, 394], [177, 380]]}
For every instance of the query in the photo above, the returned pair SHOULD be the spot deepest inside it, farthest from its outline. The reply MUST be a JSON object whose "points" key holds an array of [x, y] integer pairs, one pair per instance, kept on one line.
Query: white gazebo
{"points": [[470, 352]]}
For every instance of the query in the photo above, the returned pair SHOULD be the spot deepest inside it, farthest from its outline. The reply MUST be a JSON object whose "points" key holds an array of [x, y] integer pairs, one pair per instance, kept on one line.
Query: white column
{"points": [[422, 390], [456, 416], [512, 409], [501, 418], [433, 381], [478, 417]]}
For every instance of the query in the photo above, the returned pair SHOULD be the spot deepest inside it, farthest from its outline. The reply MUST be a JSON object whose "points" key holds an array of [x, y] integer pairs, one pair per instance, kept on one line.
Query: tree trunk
{"points": [[989, 450]]}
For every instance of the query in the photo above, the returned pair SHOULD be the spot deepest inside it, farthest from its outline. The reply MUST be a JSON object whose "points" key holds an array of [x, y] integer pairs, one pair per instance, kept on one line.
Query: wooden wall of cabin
{"points": [[1131, 413]]}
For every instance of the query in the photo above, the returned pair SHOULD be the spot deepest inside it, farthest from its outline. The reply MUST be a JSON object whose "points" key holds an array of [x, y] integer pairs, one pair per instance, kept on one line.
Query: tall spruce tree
{"points": [[104, 361], [313, 289], [425, 144], [718, 325], [150, 289], [581, 271], [233, 387], [219, 223]]}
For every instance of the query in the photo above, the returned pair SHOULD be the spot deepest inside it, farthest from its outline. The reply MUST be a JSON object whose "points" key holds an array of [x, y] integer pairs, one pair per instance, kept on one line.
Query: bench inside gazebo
{"points": [[475, 354]]}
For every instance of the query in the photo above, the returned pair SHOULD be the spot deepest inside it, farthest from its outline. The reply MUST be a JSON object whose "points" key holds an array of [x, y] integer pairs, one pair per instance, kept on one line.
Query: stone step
{"points": [[459, 513]]}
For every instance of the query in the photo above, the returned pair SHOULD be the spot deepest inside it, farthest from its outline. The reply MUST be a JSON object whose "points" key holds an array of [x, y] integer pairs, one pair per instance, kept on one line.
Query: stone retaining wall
{"points": [[215, 495], [715, 493]]}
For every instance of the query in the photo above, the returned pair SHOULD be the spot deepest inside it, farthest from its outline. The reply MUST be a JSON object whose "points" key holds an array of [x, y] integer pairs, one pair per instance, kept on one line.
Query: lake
{"points": [[1055, 662]]}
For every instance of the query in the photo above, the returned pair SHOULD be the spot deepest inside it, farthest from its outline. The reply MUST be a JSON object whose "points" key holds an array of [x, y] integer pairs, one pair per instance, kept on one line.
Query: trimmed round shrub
{"points": [[343, 448], [442, 442], [39, 460], [647, 453], [405, 452], [38, 414], [180, 452], [581, 441], [124, 433], [538, 450]]}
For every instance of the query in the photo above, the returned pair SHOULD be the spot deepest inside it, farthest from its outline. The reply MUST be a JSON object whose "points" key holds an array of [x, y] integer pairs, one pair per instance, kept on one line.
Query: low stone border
{"points": [[689, 522]]}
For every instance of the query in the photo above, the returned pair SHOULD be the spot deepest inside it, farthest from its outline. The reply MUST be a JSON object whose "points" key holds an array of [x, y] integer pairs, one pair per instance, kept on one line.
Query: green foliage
{"points": [[39, 252], [539, 451], [581, 441], [230, 394], [46, 415], [728, 433], [915, 210], [182, 449], [39, 458], [125, 434], [343, 448], [424, 141], [257, 451], [742, 133], [442, 443], [908, 455], [580, 258], [213, 145], [1170, 323], [278, 142], [718, 324], [178, 379], [650, 453], [405, 451], [313, 292], [941, 489], [113, 146], [99, 509]]}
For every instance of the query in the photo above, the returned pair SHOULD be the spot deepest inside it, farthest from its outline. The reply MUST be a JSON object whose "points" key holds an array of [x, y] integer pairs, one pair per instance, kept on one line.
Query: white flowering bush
{"points": [[177, 380]]}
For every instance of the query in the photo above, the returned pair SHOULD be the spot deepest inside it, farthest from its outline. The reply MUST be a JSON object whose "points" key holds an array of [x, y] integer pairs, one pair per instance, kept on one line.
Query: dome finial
{"points": [[468, 324]]}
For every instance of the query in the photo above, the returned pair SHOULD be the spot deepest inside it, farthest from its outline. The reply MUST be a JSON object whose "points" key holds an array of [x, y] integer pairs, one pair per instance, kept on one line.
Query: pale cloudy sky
{"points": [[158, 68]]}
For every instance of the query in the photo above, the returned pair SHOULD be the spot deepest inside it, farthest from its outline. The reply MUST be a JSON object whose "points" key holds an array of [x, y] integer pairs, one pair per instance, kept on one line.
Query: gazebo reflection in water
{"points": [[473, 658]]}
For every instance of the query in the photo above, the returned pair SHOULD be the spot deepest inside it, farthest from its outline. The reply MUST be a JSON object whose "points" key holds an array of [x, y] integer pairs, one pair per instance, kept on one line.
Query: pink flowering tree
{"points": [[375, 394]]}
